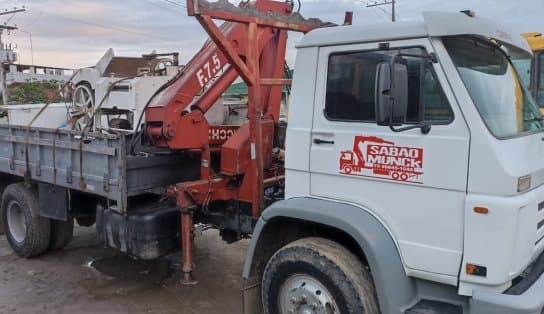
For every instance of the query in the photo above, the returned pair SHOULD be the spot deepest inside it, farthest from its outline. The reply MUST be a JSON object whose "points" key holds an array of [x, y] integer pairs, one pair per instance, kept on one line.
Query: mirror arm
{"points": [[424, 126]]}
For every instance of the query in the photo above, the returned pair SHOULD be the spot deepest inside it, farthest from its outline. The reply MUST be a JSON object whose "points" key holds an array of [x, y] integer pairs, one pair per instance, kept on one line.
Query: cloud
{"points": [[81, 9], [76, 33]]}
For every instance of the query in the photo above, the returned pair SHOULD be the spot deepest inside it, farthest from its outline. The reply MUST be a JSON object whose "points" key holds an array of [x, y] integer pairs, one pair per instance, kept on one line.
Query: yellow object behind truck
{"points": [[536, 74]]}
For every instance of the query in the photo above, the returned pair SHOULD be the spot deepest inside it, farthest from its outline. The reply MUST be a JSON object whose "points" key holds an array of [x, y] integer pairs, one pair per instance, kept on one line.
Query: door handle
{"points": [[319, 141]]}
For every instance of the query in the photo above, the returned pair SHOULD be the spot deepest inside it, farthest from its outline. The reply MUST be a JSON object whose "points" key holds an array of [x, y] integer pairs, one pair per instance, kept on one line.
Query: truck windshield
{"points": [[523, 66], [495, 87], [540, 88]]}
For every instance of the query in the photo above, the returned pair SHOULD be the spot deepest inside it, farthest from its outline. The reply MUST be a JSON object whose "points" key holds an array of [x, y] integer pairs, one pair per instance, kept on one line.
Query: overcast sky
{"points": [[76, 33]]}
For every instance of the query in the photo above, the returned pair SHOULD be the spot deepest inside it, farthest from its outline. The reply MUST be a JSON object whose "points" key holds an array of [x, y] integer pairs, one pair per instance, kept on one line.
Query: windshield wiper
{"points": [[533, 119]]}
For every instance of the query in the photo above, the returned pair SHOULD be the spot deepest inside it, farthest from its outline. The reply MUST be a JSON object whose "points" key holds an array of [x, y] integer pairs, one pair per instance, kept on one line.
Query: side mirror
{"points": [[391, 97]]}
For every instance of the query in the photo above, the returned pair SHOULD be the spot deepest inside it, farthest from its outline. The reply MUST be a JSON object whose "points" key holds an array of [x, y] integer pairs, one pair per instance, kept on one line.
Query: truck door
{"points": [[414, 183]]}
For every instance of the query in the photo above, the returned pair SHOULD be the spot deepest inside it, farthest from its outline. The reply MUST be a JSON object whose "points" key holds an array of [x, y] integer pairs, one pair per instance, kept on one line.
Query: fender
{"points": [[396, 291]]}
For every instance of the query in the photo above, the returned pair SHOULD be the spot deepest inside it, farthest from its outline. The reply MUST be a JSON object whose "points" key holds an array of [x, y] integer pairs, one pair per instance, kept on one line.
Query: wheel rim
{"points": [[16, 222], [303, 294], [82, 106]]}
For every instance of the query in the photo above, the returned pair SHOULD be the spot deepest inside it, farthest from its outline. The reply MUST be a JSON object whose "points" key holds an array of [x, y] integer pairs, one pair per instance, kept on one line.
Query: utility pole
{"points": [[9, 27], [393, 9], [7, 55]]}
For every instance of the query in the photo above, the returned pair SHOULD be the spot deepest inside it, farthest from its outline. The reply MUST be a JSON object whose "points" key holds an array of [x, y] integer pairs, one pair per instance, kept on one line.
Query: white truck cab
{"points": [[415, 147]]}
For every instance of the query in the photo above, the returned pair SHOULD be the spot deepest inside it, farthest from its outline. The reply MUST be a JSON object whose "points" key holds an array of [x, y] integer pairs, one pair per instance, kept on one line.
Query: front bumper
{"points": [[526, 297]]}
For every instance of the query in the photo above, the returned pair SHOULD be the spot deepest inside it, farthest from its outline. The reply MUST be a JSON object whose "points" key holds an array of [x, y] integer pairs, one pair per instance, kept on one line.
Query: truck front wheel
{"points": [[315, 275], [27, 233]]}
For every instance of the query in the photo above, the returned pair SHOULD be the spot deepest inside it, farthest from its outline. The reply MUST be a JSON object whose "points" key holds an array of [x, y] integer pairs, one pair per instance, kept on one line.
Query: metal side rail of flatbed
{"points": [[97, 163]]}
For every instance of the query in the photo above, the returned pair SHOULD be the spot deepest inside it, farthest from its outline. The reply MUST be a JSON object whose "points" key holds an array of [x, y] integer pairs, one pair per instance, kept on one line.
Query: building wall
{"points": [[15, 74]]}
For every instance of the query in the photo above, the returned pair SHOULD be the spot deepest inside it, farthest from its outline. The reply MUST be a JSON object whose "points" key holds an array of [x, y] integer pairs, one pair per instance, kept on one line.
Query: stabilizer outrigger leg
{"points": [[187, 241]]}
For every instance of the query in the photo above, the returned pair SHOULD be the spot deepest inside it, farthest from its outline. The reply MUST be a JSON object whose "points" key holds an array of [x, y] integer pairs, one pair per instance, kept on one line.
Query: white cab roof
{"points": [[434, 24]]}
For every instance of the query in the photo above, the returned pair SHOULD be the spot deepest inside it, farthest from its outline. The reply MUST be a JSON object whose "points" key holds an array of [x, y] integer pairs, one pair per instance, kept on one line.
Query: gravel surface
{"points": [[86, 277]]}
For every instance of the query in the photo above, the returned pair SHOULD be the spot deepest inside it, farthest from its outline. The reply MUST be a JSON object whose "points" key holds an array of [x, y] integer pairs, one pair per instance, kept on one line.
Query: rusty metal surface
{"points": [[133, 66], [128, 66], [253, 43], [187, 241], [250, 9]]}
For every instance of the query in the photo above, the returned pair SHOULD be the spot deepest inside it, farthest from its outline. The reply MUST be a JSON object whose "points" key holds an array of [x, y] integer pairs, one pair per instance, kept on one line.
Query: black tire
{"points": [[348, 282], [32, 238], [3, 185], [61, 233]]}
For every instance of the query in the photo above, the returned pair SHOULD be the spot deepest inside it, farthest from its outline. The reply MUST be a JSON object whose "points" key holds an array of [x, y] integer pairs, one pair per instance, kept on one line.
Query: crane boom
{"points": [[172, 113], [251, 44]]}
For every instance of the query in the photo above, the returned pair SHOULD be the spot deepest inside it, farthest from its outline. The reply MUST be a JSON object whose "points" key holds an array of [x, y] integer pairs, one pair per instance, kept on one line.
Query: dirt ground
{"points": [[86, 277]]}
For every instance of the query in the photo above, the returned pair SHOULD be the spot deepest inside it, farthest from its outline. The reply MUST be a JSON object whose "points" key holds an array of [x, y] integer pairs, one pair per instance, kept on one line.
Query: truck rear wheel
{"points": [[315, 275], [3, 184], [61, 233], [27, 233]]}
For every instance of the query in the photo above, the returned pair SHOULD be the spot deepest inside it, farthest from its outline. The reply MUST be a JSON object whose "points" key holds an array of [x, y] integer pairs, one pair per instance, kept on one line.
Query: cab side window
{"points": [[351, 84], [437, 107]]}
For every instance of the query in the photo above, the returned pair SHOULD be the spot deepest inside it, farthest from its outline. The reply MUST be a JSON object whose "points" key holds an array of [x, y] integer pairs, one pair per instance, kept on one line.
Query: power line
{"points": [[104, 26], [158, 5], [174, 3], [379, 4], [98, 25], [10, 18], [379, 16], [35, 20], [384, 11], [164, 5], [7, 27], [110, 27]]}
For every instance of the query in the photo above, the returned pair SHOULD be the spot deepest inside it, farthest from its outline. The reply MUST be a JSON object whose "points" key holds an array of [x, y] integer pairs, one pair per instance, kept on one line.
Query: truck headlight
{"points": [[524, 183]]}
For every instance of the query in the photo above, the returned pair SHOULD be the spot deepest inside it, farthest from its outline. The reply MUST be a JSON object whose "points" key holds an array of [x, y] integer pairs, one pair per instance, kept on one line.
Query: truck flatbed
{"points": [[98, 164]]}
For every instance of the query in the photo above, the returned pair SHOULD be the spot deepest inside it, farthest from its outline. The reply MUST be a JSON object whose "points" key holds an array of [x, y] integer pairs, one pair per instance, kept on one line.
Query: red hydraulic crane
{"points": [[251, 44]]}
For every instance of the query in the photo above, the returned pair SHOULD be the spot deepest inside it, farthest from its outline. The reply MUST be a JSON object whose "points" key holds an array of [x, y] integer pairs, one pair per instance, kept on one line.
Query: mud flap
{"points": [[53, 202]]}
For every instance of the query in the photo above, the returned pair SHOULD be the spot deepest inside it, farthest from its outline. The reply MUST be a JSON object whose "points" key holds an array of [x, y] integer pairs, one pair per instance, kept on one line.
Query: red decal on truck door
{"points": [[375, 157]]}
